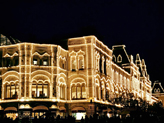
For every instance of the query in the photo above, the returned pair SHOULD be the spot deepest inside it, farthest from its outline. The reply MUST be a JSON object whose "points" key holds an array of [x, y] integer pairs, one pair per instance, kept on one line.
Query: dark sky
{"points": [[139, 24]]}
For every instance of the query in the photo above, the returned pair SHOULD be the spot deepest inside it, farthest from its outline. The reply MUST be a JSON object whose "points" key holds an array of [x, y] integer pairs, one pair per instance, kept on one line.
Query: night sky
{"points": [[138, 24]]}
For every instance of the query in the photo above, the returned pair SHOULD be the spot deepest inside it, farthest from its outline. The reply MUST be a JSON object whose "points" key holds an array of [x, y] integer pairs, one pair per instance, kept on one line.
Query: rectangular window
{"points": [[97, 92], [81, 64], [35, 62], [83, 92], [73, 92], [12, 91], [78, 92], [45, 63], [45, 89], [34, 90], [8, 91], [63, 92], [39, 93], [74, 65]]}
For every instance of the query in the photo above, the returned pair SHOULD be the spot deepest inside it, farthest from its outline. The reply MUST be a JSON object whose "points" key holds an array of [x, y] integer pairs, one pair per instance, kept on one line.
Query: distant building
{"points": [[158, 91], [85, 79]]}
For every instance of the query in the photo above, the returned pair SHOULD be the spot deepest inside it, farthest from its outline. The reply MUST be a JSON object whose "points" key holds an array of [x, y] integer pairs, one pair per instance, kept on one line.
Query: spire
{"points": [[137, 57], [143, 64], [144, 67], [138, 60], [131, 58]]}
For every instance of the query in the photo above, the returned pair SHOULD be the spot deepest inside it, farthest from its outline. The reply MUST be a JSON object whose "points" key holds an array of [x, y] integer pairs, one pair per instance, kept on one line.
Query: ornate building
{"points": [[85, 79]]}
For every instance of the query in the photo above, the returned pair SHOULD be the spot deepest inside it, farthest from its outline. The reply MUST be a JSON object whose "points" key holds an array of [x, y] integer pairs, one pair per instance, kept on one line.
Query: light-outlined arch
{"points": [[97, 76], [40, 78], [61, 78], [80, 52], [10, 85], [40, 72], [119, 58], [97, 82], [61, 85], [11, 78], [78, 109], [78, 80], [15, 73], [78, 105]]}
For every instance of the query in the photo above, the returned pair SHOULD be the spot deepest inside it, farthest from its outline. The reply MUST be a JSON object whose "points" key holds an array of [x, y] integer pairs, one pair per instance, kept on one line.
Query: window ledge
{"points": [[81, 69], [10, 98], [40, 97], [73, 70], [78, 98]]}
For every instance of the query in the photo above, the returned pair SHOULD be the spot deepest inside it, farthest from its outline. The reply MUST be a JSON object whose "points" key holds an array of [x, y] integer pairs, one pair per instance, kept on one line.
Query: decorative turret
{"points": [[120, 55], [157, 87], [138, 60]]}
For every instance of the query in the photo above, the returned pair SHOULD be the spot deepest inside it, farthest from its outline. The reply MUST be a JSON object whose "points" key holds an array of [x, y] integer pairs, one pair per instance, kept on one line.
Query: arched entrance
{"points": [[11, 112], [62, 111], [25, 111], [39, 111], [54, 110], [78, 112]]}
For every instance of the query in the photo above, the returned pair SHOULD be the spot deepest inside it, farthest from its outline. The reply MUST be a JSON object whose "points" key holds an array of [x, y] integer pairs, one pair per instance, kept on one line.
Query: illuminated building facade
{"points": [[86, 78]]}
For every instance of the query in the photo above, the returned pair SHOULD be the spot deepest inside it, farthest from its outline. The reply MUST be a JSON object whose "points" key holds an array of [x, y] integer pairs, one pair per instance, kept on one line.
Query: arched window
{"points": [[73, 62], [119, 58], [81, 62], [45, 89], [78, 91], [102, 90], [155, 90], [12, 91], [105, 67], [97, 92], [64, 64], [62, 91], [73, 92], [158, 90], [34, 89], [100, 65], [16, 90], [107, 95], [103, 93], [83, 91], [8, 90], [40, 89], [107, 91]]}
